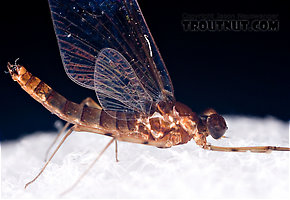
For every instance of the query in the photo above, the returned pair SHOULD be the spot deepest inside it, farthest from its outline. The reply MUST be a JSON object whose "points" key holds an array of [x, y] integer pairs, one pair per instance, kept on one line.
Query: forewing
{"points": [[84, 28]]}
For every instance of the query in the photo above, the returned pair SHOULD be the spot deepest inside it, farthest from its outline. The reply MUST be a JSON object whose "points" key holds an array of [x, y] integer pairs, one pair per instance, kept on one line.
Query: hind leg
{"points": [[86, 102]]}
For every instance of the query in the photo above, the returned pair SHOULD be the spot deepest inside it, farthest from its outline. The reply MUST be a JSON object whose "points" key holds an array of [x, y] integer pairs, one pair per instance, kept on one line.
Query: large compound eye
{"points": [[216, 126]]}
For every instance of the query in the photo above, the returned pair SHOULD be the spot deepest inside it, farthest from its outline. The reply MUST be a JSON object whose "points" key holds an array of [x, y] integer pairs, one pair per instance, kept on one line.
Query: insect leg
{"points": [[55, 139], [43, 168], [255, 149], [88, 102], [116, 150], [88, 169]]}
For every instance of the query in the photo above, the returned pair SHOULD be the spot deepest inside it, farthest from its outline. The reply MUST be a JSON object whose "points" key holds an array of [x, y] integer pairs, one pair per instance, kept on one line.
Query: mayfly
{"points": [[106, 46]]}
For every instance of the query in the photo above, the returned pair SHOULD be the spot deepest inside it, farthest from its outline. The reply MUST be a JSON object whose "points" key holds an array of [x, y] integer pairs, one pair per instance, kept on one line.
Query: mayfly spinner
{"points": [[106, 46]]}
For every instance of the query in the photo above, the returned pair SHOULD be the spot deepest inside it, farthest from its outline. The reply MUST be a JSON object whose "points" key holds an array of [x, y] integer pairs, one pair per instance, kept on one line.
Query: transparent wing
{"points": [[84, 28], [117, 86]]}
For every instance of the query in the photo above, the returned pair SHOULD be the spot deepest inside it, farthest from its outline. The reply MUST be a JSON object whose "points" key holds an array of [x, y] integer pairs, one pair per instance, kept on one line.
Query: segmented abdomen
{"points": [[120, 125], [67, 110]]}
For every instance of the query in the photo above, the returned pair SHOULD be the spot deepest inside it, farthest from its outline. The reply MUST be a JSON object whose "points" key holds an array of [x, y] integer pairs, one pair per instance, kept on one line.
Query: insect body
{"points": [[106, 46], [166, 127]]}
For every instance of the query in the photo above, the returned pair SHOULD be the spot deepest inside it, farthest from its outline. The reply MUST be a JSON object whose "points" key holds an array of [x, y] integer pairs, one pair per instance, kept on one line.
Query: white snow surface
{"points": [[184, 171]]}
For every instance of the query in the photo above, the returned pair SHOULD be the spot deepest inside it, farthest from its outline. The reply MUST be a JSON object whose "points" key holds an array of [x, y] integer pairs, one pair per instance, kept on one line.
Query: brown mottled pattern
{"points": [[108, 120], [42, 91], [56, 101], [24, 78], [91, 116], [32, 83], [131, 121], [122, 122], [72, 110]]}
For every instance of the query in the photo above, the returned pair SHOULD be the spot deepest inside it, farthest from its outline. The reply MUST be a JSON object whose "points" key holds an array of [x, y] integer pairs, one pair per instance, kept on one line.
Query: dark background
{"points": [[240, 73]]}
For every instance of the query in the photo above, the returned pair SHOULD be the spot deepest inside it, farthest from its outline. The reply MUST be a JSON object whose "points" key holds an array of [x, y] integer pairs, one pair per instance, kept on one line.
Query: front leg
{"points": [[254, 149]]}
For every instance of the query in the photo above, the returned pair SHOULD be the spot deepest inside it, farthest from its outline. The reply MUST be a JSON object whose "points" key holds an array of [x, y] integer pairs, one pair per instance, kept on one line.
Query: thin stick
{"points": [[255, 149], [88, 169], [55, 139], [63, 139]]}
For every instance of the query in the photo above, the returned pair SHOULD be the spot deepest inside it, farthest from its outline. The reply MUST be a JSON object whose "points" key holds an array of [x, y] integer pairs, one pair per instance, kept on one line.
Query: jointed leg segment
{"points": [[55, 139], [116, 150], [43, 168], [88, 102], [88, 169], [257, 149]]}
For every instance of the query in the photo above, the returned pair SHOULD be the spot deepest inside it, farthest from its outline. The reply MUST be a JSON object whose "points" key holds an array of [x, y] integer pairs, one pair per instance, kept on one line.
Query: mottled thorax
{"points": [[171, 128]]}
